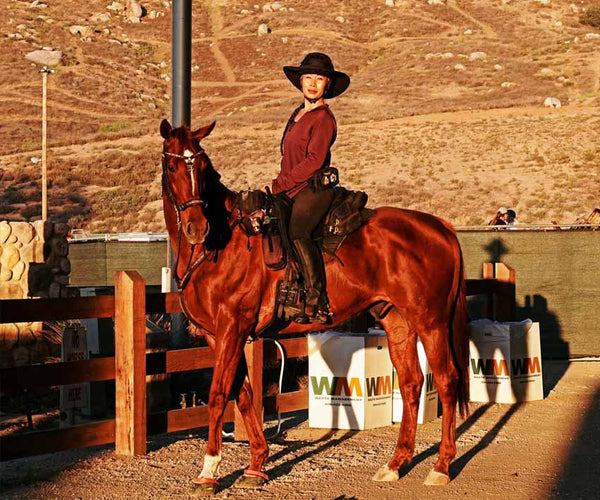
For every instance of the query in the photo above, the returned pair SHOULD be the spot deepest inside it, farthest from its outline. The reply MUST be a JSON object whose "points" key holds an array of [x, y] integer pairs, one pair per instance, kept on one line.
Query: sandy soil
{"points": [[546, 449]]}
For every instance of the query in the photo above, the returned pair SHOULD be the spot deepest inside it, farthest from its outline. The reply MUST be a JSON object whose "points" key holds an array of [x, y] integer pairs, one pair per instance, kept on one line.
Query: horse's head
{"points": [[186, 173]]}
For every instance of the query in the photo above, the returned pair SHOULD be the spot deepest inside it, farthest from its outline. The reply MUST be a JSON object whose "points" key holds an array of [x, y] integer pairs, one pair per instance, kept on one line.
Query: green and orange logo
{"points": [[338, 386]]}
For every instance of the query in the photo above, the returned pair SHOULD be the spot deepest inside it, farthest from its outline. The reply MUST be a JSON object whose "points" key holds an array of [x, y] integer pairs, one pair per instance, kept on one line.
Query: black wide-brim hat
{"points": [[317, 63]]}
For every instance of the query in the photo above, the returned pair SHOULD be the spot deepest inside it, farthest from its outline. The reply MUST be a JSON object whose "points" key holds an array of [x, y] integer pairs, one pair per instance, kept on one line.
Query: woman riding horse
{"points": [[404, 266], [306, 148]]}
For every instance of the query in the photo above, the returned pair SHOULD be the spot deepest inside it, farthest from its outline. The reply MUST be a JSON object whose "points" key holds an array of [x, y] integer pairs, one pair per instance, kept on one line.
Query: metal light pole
{"points": [[181, 60], [45, 71], [181, 104]]}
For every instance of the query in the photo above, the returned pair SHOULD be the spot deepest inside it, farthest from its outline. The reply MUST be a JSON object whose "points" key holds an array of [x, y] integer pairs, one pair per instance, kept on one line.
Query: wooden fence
{"points": [[131, 364]]}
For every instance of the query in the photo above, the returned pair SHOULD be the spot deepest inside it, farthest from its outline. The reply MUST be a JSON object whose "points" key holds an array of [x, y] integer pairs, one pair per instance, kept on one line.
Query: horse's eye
{"points": [[170, 167]]}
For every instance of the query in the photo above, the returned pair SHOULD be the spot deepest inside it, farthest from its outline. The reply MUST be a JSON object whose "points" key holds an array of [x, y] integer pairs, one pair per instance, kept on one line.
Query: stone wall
{"points": [[33, 263]]}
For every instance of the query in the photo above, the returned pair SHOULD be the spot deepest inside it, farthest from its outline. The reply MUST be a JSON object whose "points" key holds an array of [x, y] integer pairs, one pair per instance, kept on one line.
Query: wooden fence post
{"points": [[130, 363], [488, 274], [506, 304], [254, 359]]}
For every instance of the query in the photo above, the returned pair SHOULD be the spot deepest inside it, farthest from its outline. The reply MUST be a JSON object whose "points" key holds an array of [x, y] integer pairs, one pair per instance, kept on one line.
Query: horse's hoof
{"points": [[435, 478], [386, 474], [203, 487], [254, 482], [203, 490]]}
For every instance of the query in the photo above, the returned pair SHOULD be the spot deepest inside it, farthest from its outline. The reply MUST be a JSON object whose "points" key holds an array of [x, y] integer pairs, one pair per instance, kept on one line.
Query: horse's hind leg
{"points": [[402, 346], [439, 355]]}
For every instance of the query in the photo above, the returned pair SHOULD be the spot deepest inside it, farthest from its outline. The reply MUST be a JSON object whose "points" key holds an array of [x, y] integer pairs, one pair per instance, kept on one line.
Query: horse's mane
{"points": [[215, 193]]}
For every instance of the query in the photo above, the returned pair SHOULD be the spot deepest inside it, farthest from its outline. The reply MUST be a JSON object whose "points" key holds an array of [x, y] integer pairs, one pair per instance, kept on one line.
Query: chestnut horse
{"points": [[406, 265]]}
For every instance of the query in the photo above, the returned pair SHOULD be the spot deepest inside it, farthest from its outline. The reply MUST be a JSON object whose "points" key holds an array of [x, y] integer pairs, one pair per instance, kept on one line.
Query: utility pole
{"points": [[45, 71]]}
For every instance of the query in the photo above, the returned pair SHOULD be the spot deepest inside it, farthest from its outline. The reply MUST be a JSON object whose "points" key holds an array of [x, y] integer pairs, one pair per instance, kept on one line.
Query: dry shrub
{"points": [[591, 16]]}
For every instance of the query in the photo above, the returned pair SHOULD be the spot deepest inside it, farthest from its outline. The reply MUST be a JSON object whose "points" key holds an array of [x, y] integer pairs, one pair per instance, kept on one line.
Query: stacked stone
{"points": [[33, 263]]}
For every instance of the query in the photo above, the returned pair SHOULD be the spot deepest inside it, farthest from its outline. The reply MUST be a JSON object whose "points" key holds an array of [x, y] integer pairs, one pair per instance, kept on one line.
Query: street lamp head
{"points": [[45, 58]]}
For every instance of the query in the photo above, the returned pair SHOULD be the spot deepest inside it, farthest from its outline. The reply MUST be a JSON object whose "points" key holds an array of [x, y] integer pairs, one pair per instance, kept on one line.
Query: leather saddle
{"points": [[269, 215]]}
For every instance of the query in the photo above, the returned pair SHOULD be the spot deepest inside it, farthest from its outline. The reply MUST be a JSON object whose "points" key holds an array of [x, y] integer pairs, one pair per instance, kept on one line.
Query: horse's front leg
{"points": [[253, 477], [228, 347]]}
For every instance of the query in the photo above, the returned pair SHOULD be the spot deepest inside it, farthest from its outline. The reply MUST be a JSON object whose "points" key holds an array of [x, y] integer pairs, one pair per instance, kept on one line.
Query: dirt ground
{"points": [[546, 449]]}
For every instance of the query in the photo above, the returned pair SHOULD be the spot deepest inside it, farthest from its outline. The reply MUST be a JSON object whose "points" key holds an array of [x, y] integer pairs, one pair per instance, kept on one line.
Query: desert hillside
{"points": [[445, 112]]}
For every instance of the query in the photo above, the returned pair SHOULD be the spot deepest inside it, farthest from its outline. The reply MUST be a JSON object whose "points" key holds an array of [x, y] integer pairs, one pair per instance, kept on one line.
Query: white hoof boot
{"points": [[386, 474], [435, 478]]}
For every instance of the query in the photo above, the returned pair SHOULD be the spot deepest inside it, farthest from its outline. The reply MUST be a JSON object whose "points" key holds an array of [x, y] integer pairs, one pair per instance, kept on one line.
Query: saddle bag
{"points": [[275, 241], [325, 178], [252, 200], [252, 204], [272, 246], [346, 216]]}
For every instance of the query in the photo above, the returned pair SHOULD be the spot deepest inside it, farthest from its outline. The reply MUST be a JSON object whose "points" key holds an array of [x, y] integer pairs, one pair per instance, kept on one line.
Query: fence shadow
{"points": [[580, 474]]}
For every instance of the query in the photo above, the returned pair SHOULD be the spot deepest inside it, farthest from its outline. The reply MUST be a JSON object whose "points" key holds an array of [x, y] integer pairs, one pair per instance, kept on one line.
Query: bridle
{"points": [[196, 200], [181, 207], [191, 169]]}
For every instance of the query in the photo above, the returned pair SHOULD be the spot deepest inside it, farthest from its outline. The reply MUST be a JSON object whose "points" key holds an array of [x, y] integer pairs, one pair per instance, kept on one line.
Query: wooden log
{"points": [[158, 303], [180, 420], [15, 311], [254, 360], [488, 274], [286, 402], [15, 380], [506, 300], [181, 360], [294, 348], [37, 443], [130, 364]]}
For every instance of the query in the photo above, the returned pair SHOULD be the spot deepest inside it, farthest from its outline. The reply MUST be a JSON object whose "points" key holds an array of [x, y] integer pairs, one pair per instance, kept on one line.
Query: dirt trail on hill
{"points": [[216, 20], [545, 449]]}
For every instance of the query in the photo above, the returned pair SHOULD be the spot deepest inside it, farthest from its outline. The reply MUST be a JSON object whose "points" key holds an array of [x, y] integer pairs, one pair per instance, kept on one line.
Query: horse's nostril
{"points": [[190, 229]]}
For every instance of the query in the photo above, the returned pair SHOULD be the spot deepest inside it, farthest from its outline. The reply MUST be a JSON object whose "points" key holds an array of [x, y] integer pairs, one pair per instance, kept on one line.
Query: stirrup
{"points": [[301, 317], [320, 314]]}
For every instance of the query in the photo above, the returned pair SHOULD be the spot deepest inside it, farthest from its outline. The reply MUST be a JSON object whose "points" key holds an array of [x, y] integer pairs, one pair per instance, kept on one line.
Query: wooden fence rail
{"points": [[131, 364]]}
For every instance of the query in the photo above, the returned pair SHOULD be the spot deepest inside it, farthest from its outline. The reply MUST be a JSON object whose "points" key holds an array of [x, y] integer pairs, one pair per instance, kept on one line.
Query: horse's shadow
{"points": [[292, 446], [460, 463]]}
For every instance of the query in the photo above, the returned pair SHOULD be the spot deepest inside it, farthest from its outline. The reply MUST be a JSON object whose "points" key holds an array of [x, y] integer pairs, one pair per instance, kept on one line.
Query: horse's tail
{"points": [[459, 333]]}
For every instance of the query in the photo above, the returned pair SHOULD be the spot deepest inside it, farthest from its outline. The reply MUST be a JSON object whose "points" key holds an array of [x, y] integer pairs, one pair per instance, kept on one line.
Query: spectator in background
{"points": [[501, 218], [511, 217]]}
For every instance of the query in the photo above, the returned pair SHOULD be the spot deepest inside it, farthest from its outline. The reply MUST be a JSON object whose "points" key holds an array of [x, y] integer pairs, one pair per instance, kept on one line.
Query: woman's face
{"points": [[314, 86]]}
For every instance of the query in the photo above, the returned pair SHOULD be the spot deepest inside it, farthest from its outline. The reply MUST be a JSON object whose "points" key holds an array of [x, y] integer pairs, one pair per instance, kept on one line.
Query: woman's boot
{"points": [[311, 264]]}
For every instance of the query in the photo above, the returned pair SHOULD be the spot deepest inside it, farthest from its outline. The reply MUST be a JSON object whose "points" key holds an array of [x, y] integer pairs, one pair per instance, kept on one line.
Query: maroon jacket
{"points": [[305, 148]]}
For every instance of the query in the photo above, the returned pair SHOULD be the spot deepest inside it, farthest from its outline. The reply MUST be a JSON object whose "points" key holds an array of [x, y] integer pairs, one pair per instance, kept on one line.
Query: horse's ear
{"points": [[165, 129], [203, 132]]}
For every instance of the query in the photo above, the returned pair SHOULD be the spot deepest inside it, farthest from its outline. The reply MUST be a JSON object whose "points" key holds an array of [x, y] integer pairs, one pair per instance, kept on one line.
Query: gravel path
{"points": [[535, 450]]}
